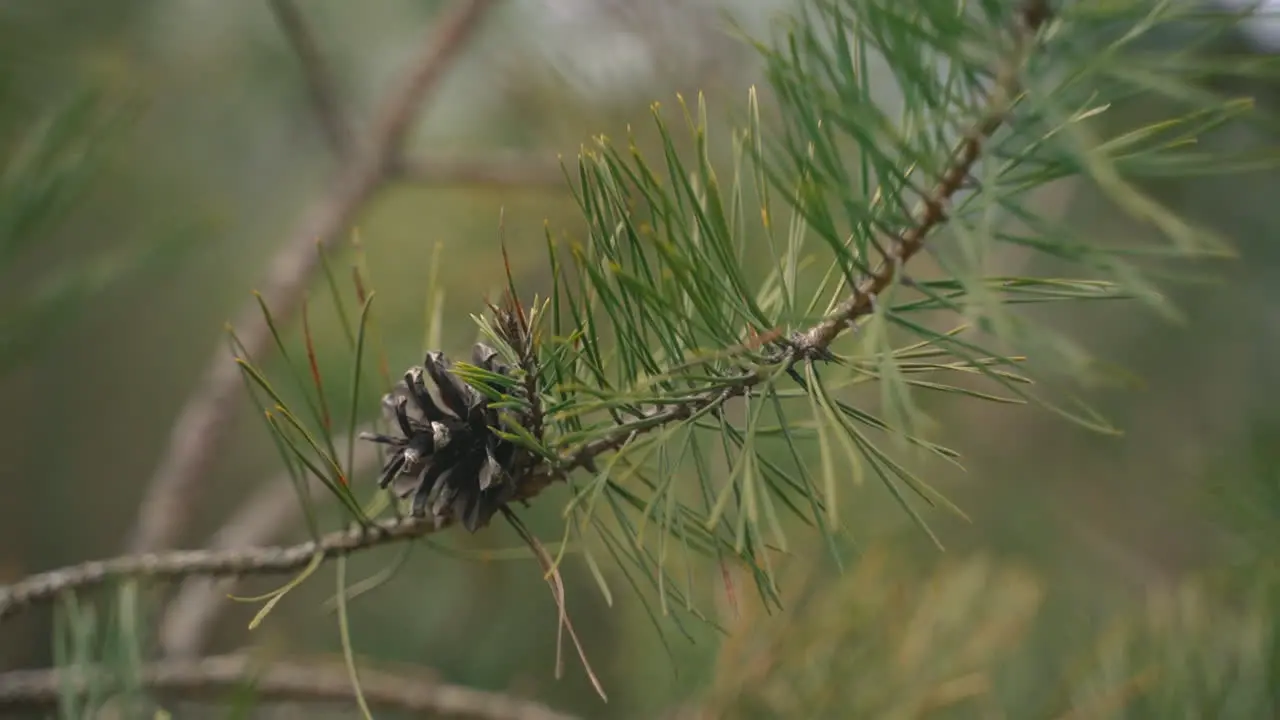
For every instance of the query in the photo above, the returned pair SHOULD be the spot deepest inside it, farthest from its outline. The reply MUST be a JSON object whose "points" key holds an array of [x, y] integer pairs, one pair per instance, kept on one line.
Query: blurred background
{"points": [[191, 151]]}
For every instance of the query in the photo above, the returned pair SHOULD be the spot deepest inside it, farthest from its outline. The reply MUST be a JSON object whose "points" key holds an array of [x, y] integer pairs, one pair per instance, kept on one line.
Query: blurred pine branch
{"points": [[964, 640], [48, 166], [101, 670]]}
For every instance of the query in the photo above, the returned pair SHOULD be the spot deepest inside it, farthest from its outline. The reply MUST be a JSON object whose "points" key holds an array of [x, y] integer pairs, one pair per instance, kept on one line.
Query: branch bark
{"points": [[230, 562], [165, 509], [279, 681]]}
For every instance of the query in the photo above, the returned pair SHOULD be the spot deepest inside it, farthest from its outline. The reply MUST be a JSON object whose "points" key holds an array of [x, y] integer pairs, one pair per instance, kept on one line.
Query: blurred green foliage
{"points": [[971, 638]]}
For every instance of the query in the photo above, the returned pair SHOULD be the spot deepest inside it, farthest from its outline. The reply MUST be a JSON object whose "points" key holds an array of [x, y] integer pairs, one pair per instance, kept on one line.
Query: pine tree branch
{"points": [[274, 681], [931, 212], [813, 343], [805, 346], [203, 421], [320, 83], [226, 562], [229, 562]]}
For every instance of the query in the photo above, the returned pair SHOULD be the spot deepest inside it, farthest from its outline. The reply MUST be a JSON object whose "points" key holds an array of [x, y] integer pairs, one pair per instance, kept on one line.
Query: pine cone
{"points": [[447, 456]]}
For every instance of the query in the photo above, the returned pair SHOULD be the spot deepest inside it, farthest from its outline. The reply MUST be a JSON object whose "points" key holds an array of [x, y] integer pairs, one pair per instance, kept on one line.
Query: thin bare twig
{"points": [[230, 562], [203, 421], [804, 346], [227, 562], [320, 84], [212, 678]]}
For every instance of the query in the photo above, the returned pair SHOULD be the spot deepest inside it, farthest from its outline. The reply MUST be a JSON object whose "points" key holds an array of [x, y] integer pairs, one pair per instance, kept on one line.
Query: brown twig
{"points": [[932, 209], [226, 562], [231, 562], [804, 346], [320, 84], [165, 509], [275, 681]]}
